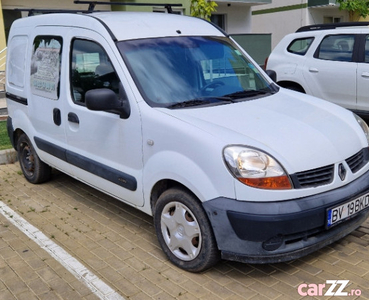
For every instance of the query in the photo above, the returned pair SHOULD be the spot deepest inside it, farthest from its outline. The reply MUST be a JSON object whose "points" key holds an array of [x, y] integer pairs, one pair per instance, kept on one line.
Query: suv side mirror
{"points": [[106, 100], [272, 74]]}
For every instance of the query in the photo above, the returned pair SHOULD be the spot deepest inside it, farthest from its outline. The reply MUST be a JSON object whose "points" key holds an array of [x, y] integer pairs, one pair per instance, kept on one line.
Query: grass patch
{"points": [[4, 139]]}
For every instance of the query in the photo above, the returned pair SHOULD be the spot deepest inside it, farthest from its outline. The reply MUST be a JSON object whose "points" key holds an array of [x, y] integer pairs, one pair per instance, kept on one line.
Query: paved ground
{"points": [[118, 244]]}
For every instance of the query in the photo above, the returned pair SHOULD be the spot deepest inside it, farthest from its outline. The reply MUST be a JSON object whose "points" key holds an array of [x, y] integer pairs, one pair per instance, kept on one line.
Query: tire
{"points": [[184, 231], [32, 167]]}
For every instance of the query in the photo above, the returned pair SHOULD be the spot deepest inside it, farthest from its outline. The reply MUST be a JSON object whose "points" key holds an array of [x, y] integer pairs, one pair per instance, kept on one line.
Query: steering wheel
{"points": [[208, 88]]}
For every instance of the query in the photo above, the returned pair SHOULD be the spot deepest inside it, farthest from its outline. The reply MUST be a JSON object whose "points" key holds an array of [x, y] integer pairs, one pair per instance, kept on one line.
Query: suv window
{"points": [[367, 49], [45, 66], [90, 69], [300, 46], [336, 47]]}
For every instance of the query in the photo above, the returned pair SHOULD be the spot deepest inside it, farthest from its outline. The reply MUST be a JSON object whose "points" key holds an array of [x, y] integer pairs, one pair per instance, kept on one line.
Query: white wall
{"points": [[279, 23], [238, 17], [316, 15]]}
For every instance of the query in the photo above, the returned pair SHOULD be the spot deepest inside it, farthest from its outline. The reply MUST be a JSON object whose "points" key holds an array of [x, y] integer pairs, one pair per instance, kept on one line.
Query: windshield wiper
{"points": [[248, 94], [200, 101]]}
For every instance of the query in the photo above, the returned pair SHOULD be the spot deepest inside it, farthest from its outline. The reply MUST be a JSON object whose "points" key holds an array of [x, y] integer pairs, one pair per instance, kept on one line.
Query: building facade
{"points": [[286, 16]]}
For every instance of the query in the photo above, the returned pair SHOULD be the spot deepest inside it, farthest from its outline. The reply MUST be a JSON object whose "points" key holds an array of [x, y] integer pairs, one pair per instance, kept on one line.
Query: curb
{"points": [[8, 156]]}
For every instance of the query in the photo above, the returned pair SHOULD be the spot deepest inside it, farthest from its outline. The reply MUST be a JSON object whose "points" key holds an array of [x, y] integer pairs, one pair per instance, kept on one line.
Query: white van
{"points": [[168, 114]]}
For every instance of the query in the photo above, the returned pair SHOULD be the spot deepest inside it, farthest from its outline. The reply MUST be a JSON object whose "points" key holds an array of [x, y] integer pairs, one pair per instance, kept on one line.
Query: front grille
{"points": [[325, 175], [313, 178], [357, 161]]}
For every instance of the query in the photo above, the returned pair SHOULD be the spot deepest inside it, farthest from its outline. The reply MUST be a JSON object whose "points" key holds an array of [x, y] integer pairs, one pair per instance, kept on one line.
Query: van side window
{"points": [[90, 69], [45, 66], [17, 61]]}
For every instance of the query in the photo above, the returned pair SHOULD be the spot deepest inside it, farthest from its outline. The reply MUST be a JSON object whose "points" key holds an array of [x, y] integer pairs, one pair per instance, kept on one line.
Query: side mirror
{"points": [[272, 74], [106, 100]]}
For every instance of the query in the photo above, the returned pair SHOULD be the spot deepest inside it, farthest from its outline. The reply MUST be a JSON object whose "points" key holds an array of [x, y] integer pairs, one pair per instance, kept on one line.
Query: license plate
{"points": [[341, 212]]}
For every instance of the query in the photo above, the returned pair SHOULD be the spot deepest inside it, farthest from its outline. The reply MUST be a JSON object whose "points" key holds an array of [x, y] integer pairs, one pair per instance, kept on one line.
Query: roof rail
{"points": [[92, 4], [32, 11], [331, 26], [91, 7]]}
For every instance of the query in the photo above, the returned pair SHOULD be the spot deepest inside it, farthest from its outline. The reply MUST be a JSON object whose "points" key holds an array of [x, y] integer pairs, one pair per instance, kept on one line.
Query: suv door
{"points": [[331, 73], [363, 78], [104, 149]]}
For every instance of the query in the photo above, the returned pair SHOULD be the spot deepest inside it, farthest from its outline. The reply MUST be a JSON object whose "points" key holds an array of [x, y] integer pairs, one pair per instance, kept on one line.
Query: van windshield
{"points": [[178, 72]]}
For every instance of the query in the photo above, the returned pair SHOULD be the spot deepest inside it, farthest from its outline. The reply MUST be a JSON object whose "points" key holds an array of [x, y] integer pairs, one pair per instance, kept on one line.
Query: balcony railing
{"points": [[312, 3]]}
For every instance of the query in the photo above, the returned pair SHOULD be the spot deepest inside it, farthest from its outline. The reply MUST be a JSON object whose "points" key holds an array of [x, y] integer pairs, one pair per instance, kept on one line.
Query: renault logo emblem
{"points": [[341, 172]]}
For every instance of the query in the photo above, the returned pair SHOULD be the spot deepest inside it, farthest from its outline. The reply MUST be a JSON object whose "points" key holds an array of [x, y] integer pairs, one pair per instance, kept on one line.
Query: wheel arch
{"points": [[292, 86], [16, 134], [163, 185]]}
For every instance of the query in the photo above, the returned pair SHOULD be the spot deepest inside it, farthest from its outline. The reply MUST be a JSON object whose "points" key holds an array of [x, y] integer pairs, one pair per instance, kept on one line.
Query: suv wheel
{"points": [[184, 231]]}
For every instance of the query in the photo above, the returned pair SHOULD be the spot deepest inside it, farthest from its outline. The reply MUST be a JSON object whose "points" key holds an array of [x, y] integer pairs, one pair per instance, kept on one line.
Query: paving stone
{"points": [[6, 295], [265, 290], [218, 290], [241, 290]]}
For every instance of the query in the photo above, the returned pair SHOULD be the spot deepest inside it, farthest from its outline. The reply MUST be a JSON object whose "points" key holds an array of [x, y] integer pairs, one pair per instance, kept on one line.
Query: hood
{"points": [[300, 131]]}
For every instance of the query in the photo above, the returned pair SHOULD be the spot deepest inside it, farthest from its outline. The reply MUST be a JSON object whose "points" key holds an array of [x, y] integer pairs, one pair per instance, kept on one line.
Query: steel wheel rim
{"points": [[181, 231], [27, 160]]}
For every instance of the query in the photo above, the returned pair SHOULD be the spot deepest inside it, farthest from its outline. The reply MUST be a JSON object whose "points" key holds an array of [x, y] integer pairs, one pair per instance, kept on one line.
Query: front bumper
{"points": [[270, 232]]}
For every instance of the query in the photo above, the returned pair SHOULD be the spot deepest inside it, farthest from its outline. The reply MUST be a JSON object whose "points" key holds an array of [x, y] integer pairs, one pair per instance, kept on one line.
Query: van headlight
{"points": [[255, 168], [363, 126]]}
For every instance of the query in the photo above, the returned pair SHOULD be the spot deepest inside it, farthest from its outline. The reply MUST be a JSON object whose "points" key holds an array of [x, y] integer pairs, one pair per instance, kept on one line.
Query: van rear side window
{"points": [[45, 66], [17, 61]]}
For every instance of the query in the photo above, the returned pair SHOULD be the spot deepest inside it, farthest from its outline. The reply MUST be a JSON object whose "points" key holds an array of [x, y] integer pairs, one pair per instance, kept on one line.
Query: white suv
{"points": [[329, 61], [168, 114]]}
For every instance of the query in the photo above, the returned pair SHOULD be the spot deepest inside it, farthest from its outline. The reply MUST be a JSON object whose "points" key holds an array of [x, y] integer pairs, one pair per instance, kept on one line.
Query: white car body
{"points": [[340, 80], [136, 155]]}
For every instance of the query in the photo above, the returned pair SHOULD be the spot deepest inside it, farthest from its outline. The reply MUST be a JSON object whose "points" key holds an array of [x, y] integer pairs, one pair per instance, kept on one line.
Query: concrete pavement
{"points": [[118, 244]]}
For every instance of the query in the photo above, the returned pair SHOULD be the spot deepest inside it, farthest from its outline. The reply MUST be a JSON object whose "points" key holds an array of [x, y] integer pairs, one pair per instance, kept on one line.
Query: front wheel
{"points": [[32, 167], [184, 231]]}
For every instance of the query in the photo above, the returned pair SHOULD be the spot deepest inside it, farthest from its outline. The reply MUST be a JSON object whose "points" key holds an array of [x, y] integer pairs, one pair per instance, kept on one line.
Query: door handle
{"points": [[313, 70], [365, 74], [57, 116], [72, 117]]}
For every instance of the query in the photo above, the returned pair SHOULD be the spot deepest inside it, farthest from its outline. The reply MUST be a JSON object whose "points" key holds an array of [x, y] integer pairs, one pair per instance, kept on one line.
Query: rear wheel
{"points": [[184, 231], [32, 167]]}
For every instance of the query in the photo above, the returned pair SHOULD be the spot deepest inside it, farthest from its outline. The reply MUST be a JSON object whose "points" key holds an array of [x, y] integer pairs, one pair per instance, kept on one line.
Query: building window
{"points": [[219, 20], [329, 20]]}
